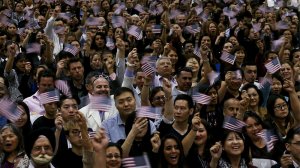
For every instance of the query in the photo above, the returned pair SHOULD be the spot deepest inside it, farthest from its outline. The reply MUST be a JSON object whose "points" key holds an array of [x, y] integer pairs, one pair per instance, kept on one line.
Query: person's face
{"points": [[240, 55], [295, 19], [189, 48], [164, 67], [271, 56], [2, 40], [41, 21], [232, 108], [135, 20], [105, 5], [51, 108], [253, 35], [280, 109], [119, 33], [205, 41], [68, 109], [288, 35], [233, 41], [113, 157], [212, 28], [74, 136], [149, 32], [227, 47], [286, 55], [159, 99], [125, 103], [173, 57], [184, 80], [19, 7], [214, 96], [3, 88], [129, 3], [21, 64], [296, 57], [234, 144], [101, 87], [182, 111], [76, 70], [258, 14], [194, 64], [23, 118], [250, 73], [99, 41], [171, 151], [252, 128], [201, 136], [181, 20], [286, 71], [45, 84], [177, 29], [276, 86], [294, 147], [10, 140], [235, 81], [139, 79], [96, 62], [42, 151], [254, 97]]}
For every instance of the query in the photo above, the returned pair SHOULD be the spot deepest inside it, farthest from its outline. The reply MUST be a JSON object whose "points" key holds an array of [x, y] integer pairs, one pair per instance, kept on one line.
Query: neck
{"points": [[195, 75], [77, 150], [11, 157], [40, 166], [280, 121], [235, 93], [49, 116], [201, 150], [181, 127], [235, 161], [78, 82], [253, 108]]}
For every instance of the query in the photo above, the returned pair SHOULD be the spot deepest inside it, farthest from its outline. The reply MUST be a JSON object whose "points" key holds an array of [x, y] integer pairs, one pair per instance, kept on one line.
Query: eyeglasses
{"points": [[158, 98], [40, 148], [110, 156], [280, 106]]}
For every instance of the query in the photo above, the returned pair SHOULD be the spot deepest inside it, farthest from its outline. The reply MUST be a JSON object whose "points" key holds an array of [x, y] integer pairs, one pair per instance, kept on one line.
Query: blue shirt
{"points": [[115, 128]]}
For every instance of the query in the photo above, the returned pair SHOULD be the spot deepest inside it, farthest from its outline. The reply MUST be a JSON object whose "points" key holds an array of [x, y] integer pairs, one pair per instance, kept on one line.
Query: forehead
{"points": [[69, 101], [124, 95], [185, 73], [181, 102], [42, 140], [101, 81], [279, 101], [250, 67], [73, 64]]}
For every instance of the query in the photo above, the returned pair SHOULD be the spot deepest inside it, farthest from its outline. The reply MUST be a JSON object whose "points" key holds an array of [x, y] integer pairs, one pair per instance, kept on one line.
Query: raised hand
{"points": [[216, 151], [167, 87], [288, 86], [59, 121], [155, 142], [139, 125], [100, 141], [196, 121]]}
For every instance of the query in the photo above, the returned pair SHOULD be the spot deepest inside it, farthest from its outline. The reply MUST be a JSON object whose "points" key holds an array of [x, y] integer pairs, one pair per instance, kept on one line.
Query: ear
{"points": [[287, 146], [191, 111]]}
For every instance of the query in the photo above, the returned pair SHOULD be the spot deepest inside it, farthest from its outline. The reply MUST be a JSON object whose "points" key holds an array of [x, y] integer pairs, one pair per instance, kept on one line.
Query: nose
{"points": [[43, 151]]}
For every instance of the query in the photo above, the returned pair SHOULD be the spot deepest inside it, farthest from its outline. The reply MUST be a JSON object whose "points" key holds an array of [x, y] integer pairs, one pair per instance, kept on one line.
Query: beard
{"points": [[42, 159]]}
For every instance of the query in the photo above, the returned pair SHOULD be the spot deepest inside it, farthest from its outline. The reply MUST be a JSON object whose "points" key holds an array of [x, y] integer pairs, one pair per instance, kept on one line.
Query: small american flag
{"points": [[201, 98], [110, 43], [199, 9], [269, 138], [204, 16], [197, 51], [92, 21], [120, 8], [193, 29], [7, 13], [256, 27], [49, 1], [33, 25], [276, 44], [233, 124], [69, 2], [227, 57], [135, 31], [10, 110], [212, 77], [59, 29], [149, 112], [100, 103], [174, 13], [139, 8], [228, 12], [96, 9], [63, 87], [148, 69], [33, 48], [233, 22], [136, 162], [156, 29], [264, 82], [273, 66], [66, 16], [49, 97], [71, 49], [118, 21], [282, 25]]}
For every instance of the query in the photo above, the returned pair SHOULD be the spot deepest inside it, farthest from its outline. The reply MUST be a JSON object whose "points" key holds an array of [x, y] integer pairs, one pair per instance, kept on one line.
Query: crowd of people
{"points": [[153, 83]]}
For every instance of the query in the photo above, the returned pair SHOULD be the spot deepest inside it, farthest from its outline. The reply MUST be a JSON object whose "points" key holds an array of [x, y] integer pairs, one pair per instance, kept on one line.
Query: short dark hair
{"points": [[186, 98], [44, 74], [290, 134], [186, 69], [122, 90], [64, 97], [74, 60]]}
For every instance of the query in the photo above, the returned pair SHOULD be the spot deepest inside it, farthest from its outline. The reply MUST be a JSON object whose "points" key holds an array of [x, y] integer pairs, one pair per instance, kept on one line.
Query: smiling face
{"points": [[201, 136], [113, 157], [171, 152], [286, 71], [23, 118], [252, 128], [254, 97], [234, 144]]}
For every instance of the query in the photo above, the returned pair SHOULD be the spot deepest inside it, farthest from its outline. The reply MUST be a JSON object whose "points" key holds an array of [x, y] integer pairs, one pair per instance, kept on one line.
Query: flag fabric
{"points": [[269, 138], [139, 8], [136, 162], [151, 60], [149, 112], [69, 2], [63, 87], [71, 49], [66, 16], [276, 44], [228, 12], [282, 25], [199, 9], [33, 48], [264, 82], [10, 110], [119, 9], [201, 98], [273, 66], [135, 31], [59, 29], [92, 21], [197, 51], [233, 22], [193, 29], [174, 13], [110, 43], [148, 69], [96, 9], [212, 77], [49, 97], [227, 57], [156, 29], [33, 25], [7, 13], [100, 103], [256, 27], [118, 21], [233, 124]]}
